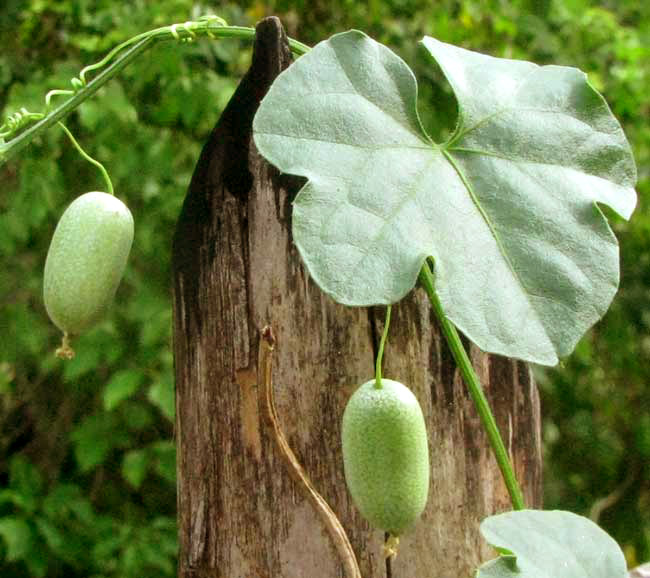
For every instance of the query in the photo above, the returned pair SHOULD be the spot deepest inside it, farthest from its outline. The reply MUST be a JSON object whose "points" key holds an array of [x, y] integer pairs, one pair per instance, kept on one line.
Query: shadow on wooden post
{"points": [[241, 514]]}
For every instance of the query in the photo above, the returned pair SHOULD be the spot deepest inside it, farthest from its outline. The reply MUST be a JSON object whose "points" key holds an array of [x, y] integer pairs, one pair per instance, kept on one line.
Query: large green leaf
{"points": [[525, 260], [552, 544]]}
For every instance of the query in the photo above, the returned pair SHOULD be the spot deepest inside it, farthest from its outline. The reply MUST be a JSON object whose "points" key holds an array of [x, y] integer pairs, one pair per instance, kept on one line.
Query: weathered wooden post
{"points": [[241, 513]]}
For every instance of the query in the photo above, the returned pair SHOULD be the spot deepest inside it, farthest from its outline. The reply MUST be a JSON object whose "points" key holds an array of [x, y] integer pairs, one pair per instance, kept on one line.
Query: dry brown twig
{"points": [[327, 515]]}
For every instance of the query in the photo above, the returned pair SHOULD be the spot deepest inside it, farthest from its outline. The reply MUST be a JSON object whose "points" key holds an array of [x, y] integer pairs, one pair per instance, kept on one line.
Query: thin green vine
{"points": [[476, 392], [84, 154], [113, 63], [380, 353]]}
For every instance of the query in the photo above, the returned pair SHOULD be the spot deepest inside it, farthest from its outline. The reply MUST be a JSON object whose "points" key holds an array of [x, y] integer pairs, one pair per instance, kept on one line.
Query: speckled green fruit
{"points": [[386, 455], [86, 260]]}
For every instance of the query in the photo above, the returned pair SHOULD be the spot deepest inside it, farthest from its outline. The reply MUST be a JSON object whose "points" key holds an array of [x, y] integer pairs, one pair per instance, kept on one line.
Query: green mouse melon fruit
{"points": [[86, 260], [386, 455]]}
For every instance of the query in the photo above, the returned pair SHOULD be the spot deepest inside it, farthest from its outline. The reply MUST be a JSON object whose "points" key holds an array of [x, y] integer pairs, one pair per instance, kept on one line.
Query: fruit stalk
{"points": [[380, 353], [84, 154], [475, 391]]}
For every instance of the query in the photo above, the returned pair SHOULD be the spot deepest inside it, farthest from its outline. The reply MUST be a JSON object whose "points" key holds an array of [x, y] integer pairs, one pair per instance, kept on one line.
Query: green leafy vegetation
{"points": [[87, 474], [87, 457]]}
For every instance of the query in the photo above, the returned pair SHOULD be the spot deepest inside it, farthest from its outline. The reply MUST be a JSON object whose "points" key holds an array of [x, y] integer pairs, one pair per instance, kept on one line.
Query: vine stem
{"points": [[84, 154], [15, 145], [380, 353], [125, 54], [476, 392]]}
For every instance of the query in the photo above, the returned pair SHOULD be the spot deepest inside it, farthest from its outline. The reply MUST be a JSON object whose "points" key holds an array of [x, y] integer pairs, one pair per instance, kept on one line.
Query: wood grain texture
{"points": [[241, 514]]}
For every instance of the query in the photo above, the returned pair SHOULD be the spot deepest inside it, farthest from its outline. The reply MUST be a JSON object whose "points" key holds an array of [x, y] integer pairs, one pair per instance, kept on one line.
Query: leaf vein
{"points": [[494, 233]]}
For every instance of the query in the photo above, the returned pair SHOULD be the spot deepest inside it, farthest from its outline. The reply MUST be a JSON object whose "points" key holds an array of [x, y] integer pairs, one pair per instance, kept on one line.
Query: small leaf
{"points": [[25, 480], [91, 442], [17, 535], [131, 559], [122, 386], [65, 500], [162, 395], [164, 452], [134, 467], [137, 415], [94, 438], [525, 261], [551, 544], [54, 537], [11, 497]]}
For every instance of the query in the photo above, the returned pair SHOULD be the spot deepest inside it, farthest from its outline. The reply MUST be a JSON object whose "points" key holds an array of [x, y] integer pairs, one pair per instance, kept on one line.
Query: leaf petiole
{"points": [[476, 392]]}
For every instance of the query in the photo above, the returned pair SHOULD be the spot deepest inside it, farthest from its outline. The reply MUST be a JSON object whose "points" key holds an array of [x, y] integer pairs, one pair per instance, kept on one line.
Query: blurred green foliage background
{"points": [[87, 460]]}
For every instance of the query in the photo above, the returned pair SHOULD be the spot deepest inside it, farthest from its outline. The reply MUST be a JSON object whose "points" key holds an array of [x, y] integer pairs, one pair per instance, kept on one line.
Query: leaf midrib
{"points": [[495, 236]]}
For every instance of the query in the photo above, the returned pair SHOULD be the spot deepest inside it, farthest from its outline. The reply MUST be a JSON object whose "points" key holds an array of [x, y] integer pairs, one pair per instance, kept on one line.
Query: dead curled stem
{"points": [[332, 523]]}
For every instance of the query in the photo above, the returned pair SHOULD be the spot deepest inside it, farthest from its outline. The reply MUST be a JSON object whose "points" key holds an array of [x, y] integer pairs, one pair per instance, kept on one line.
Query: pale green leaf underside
{"points": [[525, 262], [553, 544]]}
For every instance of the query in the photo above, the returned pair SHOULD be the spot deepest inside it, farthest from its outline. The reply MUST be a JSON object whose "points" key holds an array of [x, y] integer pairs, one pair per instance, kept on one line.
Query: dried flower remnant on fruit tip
{"points": [[65, 351]]}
